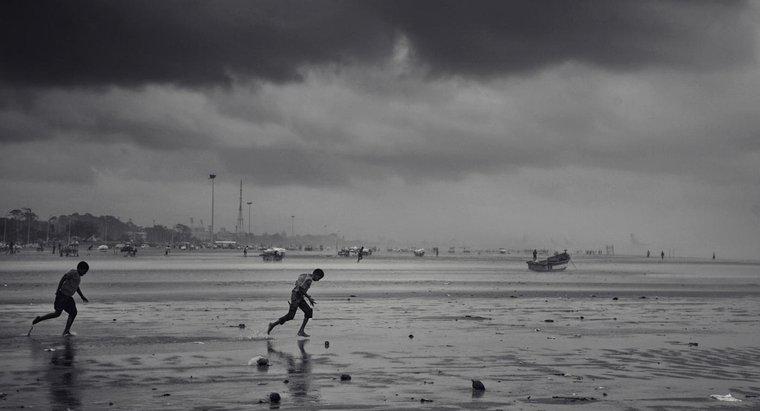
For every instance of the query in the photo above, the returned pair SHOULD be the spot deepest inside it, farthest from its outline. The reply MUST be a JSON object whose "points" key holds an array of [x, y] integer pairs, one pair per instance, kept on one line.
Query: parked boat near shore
{"points": [[557, 262]]}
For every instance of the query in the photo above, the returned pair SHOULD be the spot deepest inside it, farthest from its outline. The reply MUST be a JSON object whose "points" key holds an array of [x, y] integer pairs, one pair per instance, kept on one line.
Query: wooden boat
{"points": [[554, 263]]}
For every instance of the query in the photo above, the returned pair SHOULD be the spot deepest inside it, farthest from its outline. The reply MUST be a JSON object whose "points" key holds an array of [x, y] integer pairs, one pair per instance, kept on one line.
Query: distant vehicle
{"points": [[103, 248], [420, 252], [502, 251], [557, 262], [273, 254], [225, 244]]}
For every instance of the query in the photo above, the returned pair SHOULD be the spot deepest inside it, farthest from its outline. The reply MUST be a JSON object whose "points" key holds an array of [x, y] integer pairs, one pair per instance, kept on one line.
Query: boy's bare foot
{"points": [[36, 320], [68, 333], [303, 334], [269, 329]]}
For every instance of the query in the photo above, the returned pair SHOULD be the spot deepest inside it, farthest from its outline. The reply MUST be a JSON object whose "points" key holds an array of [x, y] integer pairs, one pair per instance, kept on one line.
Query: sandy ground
{"points": [[162, 333]]}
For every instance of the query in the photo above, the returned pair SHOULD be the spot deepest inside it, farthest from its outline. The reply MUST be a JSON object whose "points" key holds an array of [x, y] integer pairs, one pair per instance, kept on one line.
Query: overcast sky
{"points": [[537, 123]]}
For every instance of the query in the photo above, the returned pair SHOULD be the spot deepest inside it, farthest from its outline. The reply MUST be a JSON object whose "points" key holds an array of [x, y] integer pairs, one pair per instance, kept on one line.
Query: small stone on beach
{"points": [[411, 336], [327, 344], [478, 386], [345, 377], [548, 321], [259, 361], [693, 344], [614, 298], [241, 325], [274, 397]]}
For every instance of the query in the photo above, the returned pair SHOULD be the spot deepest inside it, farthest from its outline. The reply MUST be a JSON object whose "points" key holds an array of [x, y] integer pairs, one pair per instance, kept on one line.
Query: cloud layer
{"points": [[392, 116]]}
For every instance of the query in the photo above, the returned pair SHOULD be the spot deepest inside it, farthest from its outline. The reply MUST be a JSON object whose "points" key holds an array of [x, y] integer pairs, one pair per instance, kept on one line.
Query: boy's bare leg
{"points": [[271, 326], [301, 331], [67, 330], [54, 314]]}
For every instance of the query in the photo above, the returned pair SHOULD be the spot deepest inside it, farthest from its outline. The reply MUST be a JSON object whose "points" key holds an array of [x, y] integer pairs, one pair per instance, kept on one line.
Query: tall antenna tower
{"points": [[239, 226]]}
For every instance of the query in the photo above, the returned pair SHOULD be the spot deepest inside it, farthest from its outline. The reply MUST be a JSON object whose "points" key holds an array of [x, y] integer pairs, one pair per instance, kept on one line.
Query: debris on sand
{"points": [[274, 397], [549, 321], [327, 344], [693, 344], [352, 296], [573, 399], [259, 361], [345, 377], [478, 386], [241, 325], [3, 395], [614, 298], [727, 398], [423, 400], [411, 336]]}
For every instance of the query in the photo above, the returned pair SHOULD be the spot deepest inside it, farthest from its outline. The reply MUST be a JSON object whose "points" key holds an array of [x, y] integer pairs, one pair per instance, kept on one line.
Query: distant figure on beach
{"points": [[535, 254], [64, 297], [662, 255], [360, 254], [713, 256], [297, 301], [166, 250], [245, 251], [11, 248], [648, 253]]}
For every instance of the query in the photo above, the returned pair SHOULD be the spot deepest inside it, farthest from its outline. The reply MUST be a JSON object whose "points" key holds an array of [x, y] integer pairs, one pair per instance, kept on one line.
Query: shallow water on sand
{"points": [[162, 332]]}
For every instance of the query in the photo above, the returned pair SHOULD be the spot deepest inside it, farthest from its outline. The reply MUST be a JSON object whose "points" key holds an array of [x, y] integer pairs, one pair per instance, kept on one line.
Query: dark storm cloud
{"points": [[182, 42], [70, 43], [491, 38]]}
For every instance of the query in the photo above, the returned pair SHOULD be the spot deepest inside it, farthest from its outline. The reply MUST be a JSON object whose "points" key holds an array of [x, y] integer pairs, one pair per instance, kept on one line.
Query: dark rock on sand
{"points": [[345, 377], [425, 400], [327, 344], [411, 336], [274, 397], [693, 344], [614, 298], [478, 386], [241, 325], [548, 321]]}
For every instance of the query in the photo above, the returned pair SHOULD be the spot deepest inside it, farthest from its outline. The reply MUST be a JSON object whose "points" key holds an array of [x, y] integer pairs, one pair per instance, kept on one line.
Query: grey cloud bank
{"points": [[476, 121]]}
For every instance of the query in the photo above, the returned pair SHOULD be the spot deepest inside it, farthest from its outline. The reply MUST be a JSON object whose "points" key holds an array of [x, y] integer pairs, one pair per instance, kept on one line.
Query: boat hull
{"points": [[542, 266]]}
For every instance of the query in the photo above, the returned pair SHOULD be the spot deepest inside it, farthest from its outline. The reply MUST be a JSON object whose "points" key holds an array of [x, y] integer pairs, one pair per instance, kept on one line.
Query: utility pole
{"points": [[291, 225], [250, 234], [240, 226], [212, 176]]}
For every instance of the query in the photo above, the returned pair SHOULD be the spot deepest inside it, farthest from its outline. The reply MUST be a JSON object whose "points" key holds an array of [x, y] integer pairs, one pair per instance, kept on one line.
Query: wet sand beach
{"points": [[163, 333]]}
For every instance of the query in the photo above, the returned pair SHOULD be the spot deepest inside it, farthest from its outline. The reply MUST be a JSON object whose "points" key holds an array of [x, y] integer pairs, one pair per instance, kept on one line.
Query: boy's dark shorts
{"points": [[65, 303]]}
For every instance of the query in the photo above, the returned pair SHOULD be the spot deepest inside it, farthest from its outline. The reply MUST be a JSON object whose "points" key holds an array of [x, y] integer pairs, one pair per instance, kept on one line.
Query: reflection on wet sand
{"points": [[61, 375], [299, 372]]}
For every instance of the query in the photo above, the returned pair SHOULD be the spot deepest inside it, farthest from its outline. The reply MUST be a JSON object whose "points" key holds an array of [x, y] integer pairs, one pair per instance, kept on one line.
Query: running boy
{"points": [[297, 301], [64, 297]]}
